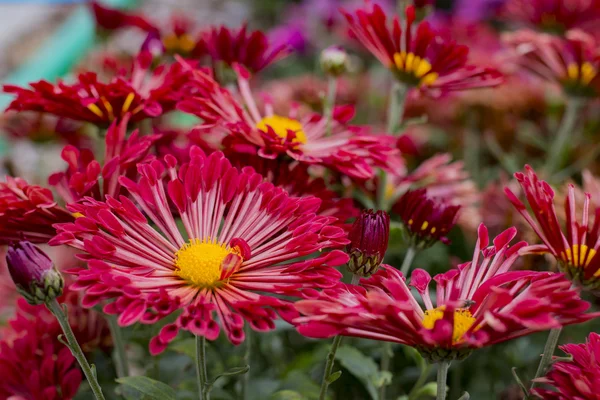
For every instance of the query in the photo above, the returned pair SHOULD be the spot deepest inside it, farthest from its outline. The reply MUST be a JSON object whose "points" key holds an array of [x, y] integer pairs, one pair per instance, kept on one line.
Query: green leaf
{"points": [[151, 388], [465, 396], [429, 390], [334, 377], [361, 366], [287, 395], [185, 346]]}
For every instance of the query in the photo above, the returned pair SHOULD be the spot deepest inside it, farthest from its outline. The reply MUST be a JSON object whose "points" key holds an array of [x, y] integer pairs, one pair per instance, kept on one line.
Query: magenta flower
{"points": [[348, 149], [578, 379], [239, 238], [478, 304], [368, 237]]}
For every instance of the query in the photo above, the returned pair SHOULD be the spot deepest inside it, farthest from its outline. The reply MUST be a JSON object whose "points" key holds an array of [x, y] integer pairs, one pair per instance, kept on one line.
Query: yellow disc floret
{"points": [[199, 262], [281, 126], [583, 73], [463, 320], [579, 255], [415, 69]]}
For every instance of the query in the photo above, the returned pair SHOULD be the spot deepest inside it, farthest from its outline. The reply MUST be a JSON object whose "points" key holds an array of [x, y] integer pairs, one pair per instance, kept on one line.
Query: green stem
{"points": [[386, 357], [63, 320], [549, 348], [247, 355], [330, 103], [396, 107], [119, 355], [442, 376], [201, 373], [569, 119], [355, 279], [329, 366], [408, 259], [381, 189]]}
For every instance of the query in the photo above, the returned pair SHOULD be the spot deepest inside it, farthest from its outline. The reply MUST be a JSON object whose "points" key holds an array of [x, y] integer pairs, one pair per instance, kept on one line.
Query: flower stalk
{"points": [[408, 259], [442, 376], [201, 372], [328, 377], [119, 354], [63, 320], [565, 130], [546, 360]]}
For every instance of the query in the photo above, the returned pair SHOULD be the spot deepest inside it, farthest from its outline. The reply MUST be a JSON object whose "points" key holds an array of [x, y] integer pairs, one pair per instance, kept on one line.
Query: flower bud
{"points": [[334, 61], [33, 273], [368, 242]]}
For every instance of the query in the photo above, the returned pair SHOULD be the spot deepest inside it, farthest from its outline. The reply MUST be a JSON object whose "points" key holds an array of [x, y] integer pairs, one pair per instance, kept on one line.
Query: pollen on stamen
{"points": [[281, 126], [199, 262], [463, 321]]}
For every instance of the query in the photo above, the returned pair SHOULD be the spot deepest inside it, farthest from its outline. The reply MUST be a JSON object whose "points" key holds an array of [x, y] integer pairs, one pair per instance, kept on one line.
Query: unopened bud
{"points": [[33, 273], [334, 61], [368, 242]]}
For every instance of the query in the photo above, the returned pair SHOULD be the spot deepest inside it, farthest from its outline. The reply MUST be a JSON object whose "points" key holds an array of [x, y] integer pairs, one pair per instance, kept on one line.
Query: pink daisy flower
{"points": [[239, 237], [577, 250], [478, 304], [347, 149], [418, 57], [577, 379]]}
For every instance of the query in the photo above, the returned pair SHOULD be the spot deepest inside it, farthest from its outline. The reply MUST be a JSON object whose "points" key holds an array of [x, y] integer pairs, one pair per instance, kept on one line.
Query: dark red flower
{"points": [[112, 19], [418, 57], [368, 237], [141, 94], [27, 212], [556, 16], [85, 176], [577, 379], [426, 219], [252, 49]]}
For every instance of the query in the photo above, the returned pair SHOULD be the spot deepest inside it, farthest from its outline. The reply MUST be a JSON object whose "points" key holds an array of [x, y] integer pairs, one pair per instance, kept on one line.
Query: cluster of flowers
{"points": [[246, 217]]}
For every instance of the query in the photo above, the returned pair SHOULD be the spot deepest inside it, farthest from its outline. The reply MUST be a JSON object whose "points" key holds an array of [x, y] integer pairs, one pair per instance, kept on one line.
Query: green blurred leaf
{"points": [[362, 367], [334, 377], [287, 395], [185, 346], [151, 388], [232, 372], [429, 390]]}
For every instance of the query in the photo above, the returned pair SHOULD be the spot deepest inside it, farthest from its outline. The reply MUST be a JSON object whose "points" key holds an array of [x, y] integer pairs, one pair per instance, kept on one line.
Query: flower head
{"points": [[334, 61], [27, 212], [348, 149], [33, 273], [140, 94], [251, 50], [556, 16], [239, 238], [478, 304], [112, 19], [85, 176], [573, 62], [576, 379], [426, 219], [368, 242], [418, 57], [576, 251]]}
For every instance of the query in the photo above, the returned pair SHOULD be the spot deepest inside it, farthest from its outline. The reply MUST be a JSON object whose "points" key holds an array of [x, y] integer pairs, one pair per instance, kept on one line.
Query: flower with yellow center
{"points": [[179, 44], [582, 74], [463, 320], [579, 255], [201, 262], [415, 69], [281, 126]]}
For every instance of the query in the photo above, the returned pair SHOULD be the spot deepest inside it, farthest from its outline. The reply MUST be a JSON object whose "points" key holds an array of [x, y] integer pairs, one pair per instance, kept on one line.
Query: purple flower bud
{"points": [[368, 242], [33, 273]]}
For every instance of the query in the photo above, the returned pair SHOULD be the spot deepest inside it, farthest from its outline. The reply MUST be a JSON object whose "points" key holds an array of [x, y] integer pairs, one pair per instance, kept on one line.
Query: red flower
{"points": [[426, 219], [251, 50], [368, 237], [85, 176], [418, 58], [347, 149], [577, 379], [244, 240], [577, 251], [27, 212], [478, 304], [573, 61], [111, 19], [140, 94], [556, 16]]}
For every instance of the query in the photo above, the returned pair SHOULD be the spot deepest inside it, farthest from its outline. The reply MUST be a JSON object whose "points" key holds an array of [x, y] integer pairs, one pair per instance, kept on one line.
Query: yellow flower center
{"points": [[179, 44], [463, 320], [417, 69], [281, 126], [199, 262], [579, 255], [583, 73]]}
